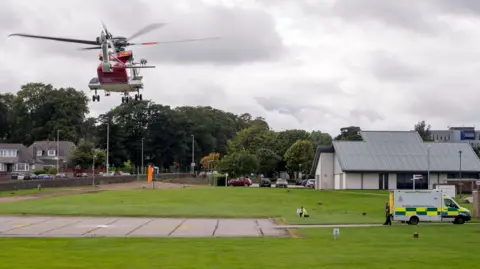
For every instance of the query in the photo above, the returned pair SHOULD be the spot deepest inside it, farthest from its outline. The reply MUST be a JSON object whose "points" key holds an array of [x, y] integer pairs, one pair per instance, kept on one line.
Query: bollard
{"points": [[415, 235], [336, 233], [39, 187]]}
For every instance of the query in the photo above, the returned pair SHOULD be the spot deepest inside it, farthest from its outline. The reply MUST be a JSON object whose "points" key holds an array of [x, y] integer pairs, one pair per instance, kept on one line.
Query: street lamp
{"points": [[142, 157], [192, 165], [460, 166], [299, 172], [93, 168], [428, 165], [58, 146], [108, 147]]}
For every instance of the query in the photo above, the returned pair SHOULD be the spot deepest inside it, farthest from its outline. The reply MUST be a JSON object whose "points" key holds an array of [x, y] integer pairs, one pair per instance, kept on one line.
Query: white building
{"points": [[389, 159], [457, 135]]}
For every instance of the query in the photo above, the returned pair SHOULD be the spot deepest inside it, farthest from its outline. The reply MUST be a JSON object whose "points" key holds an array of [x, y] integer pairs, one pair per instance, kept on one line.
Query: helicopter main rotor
{"points": [[119, 42]]}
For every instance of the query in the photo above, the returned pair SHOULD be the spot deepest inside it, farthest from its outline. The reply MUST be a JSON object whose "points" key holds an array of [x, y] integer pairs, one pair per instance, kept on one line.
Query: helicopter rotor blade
{"points": [[146, 29], [90, 48], [70, 40], [174, 41], [107, 33]]}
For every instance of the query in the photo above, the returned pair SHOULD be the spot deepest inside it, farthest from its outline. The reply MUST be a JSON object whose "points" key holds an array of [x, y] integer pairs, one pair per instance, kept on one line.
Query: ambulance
{"points": [[413, 206]]}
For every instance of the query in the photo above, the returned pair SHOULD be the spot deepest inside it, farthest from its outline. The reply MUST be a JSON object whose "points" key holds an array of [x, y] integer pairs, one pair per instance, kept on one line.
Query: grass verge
{"points": [[439, 247]]}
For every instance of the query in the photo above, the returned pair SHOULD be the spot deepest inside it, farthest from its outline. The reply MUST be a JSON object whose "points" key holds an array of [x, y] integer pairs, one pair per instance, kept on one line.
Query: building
{"points": [[457, 135], [45, 153], [14, 157], [389, 160], [41, 154]]}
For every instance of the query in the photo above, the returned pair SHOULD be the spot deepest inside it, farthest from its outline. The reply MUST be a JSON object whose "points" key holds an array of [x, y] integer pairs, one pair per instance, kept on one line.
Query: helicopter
{"points": [[115, 60]]}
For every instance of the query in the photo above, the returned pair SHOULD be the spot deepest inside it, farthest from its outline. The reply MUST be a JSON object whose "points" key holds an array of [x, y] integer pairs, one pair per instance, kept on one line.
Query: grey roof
{"points": [[63, 146], [402, 151], [24, 155]]}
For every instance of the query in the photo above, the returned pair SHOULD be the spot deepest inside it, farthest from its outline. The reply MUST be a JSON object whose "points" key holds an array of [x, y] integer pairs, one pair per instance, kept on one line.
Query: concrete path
{"points": [[23, 226]]}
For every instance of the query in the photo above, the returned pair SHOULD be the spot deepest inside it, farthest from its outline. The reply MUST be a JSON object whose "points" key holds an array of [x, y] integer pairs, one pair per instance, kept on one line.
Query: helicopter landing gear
{"points": [[125, 99], [138, 97], [96, 97], [107, 94]]}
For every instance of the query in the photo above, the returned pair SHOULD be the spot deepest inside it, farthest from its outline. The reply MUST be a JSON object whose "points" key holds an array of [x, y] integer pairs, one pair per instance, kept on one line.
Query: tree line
{"points": [[237, 144], [38, 111]]}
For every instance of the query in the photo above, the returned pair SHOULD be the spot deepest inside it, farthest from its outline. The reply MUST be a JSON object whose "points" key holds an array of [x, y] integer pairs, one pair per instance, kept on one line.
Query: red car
{"points": [[240, 182]]}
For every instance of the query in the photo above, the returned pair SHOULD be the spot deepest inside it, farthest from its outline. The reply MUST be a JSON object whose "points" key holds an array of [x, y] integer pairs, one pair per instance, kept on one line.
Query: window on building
{"points": [[2, 167], [8, 153], [39, 153], [22, 167], [405, 182], [51, 152]]}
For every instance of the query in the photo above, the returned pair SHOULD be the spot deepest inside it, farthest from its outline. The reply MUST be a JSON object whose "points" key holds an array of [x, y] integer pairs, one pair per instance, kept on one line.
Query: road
{"points": [[289, 186], [30, 226]]}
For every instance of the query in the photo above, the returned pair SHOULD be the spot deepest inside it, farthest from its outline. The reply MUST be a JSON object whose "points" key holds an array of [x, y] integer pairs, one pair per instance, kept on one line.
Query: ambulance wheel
{"points": [[413, 221], [459, 221]]}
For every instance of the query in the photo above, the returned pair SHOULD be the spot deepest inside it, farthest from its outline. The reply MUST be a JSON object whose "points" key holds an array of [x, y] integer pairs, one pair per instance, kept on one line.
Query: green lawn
{"points": [[29, 192], [439, 246], [335, 207]]}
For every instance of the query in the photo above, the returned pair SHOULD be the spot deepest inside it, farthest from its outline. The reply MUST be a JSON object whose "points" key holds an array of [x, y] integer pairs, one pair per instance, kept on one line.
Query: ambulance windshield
{"points": [[450, 203]]}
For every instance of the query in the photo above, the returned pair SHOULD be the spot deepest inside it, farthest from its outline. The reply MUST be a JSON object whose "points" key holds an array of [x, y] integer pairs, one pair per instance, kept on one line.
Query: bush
{"points": [[51, 171]]}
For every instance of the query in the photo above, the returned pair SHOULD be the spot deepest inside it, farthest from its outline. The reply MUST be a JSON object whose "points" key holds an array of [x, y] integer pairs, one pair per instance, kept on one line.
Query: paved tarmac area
{"points": [[33, 226]]}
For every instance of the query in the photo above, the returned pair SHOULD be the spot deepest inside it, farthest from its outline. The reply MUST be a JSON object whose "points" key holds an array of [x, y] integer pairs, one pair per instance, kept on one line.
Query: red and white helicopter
{"points": [[112, 74]]}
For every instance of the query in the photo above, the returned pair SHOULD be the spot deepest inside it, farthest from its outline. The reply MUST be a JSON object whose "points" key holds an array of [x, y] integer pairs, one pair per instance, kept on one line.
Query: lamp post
{"points": [[93, 168], [108, 148], [58, 146], [192, 165], [428, 165], [142, 157], [460, 166], [300, 171]]}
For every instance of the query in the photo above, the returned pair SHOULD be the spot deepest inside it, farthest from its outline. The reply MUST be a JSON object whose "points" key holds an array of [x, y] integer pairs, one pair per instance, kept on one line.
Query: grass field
{"points": [[335, 207], [439, 246]]}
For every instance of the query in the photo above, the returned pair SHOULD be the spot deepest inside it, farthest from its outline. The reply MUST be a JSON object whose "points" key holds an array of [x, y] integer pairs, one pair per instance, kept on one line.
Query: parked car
{"points": [[240, 182], [45, 176], [82, 175], [281, 183], [265, 182], [310, 184]]}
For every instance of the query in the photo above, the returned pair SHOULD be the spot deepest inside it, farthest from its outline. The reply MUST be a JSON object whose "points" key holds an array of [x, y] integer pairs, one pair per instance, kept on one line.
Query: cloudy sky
{"points": [[311, 64]]}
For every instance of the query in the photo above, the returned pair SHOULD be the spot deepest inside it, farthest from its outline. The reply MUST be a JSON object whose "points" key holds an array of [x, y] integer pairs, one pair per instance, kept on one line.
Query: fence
{"points": [[86, 181]]}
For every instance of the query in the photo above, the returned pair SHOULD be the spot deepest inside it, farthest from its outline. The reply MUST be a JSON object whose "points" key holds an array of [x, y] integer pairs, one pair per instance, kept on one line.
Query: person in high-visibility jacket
{"points": [[302, 212]]}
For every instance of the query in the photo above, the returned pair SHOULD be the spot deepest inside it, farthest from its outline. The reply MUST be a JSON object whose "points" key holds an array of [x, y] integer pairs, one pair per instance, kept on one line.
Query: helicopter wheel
{"points": [[136, 97], [140, 97]]}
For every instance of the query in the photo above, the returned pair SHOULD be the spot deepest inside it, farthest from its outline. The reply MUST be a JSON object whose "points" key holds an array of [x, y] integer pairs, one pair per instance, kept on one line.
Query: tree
{"points": [[82, 155], [268, 161], [320, 139], [239, 163], [423, 130], [210, 161], [299, 156], [349, 133]]}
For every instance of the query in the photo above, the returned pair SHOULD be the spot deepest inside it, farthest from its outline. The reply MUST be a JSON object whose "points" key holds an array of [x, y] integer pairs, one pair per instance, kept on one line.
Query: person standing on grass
{"points": [[388, 215]]}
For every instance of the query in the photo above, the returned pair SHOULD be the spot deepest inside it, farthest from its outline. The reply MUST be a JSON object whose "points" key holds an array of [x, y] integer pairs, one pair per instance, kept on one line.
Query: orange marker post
{"points": [[150, 173]]}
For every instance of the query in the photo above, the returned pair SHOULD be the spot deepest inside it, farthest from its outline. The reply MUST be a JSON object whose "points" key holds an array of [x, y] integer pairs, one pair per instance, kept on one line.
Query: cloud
{"points": [[307, 64]]}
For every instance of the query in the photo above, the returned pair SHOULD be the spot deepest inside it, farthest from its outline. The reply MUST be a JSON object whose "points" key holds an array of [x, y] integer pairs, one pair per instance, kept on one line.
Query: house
{"points": [[15, 157], [41, 154], [389, 160], [45, 153]]}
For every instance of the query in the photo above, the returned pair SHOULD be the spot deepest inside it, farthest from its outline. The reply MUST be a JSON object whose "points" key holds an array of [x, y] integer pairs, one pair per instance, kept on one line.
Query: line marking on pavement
{"points": [[100, 227], [140, 226], [60, 227], [259, 228], [216, 227], [25, 225], [177, 227]]}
